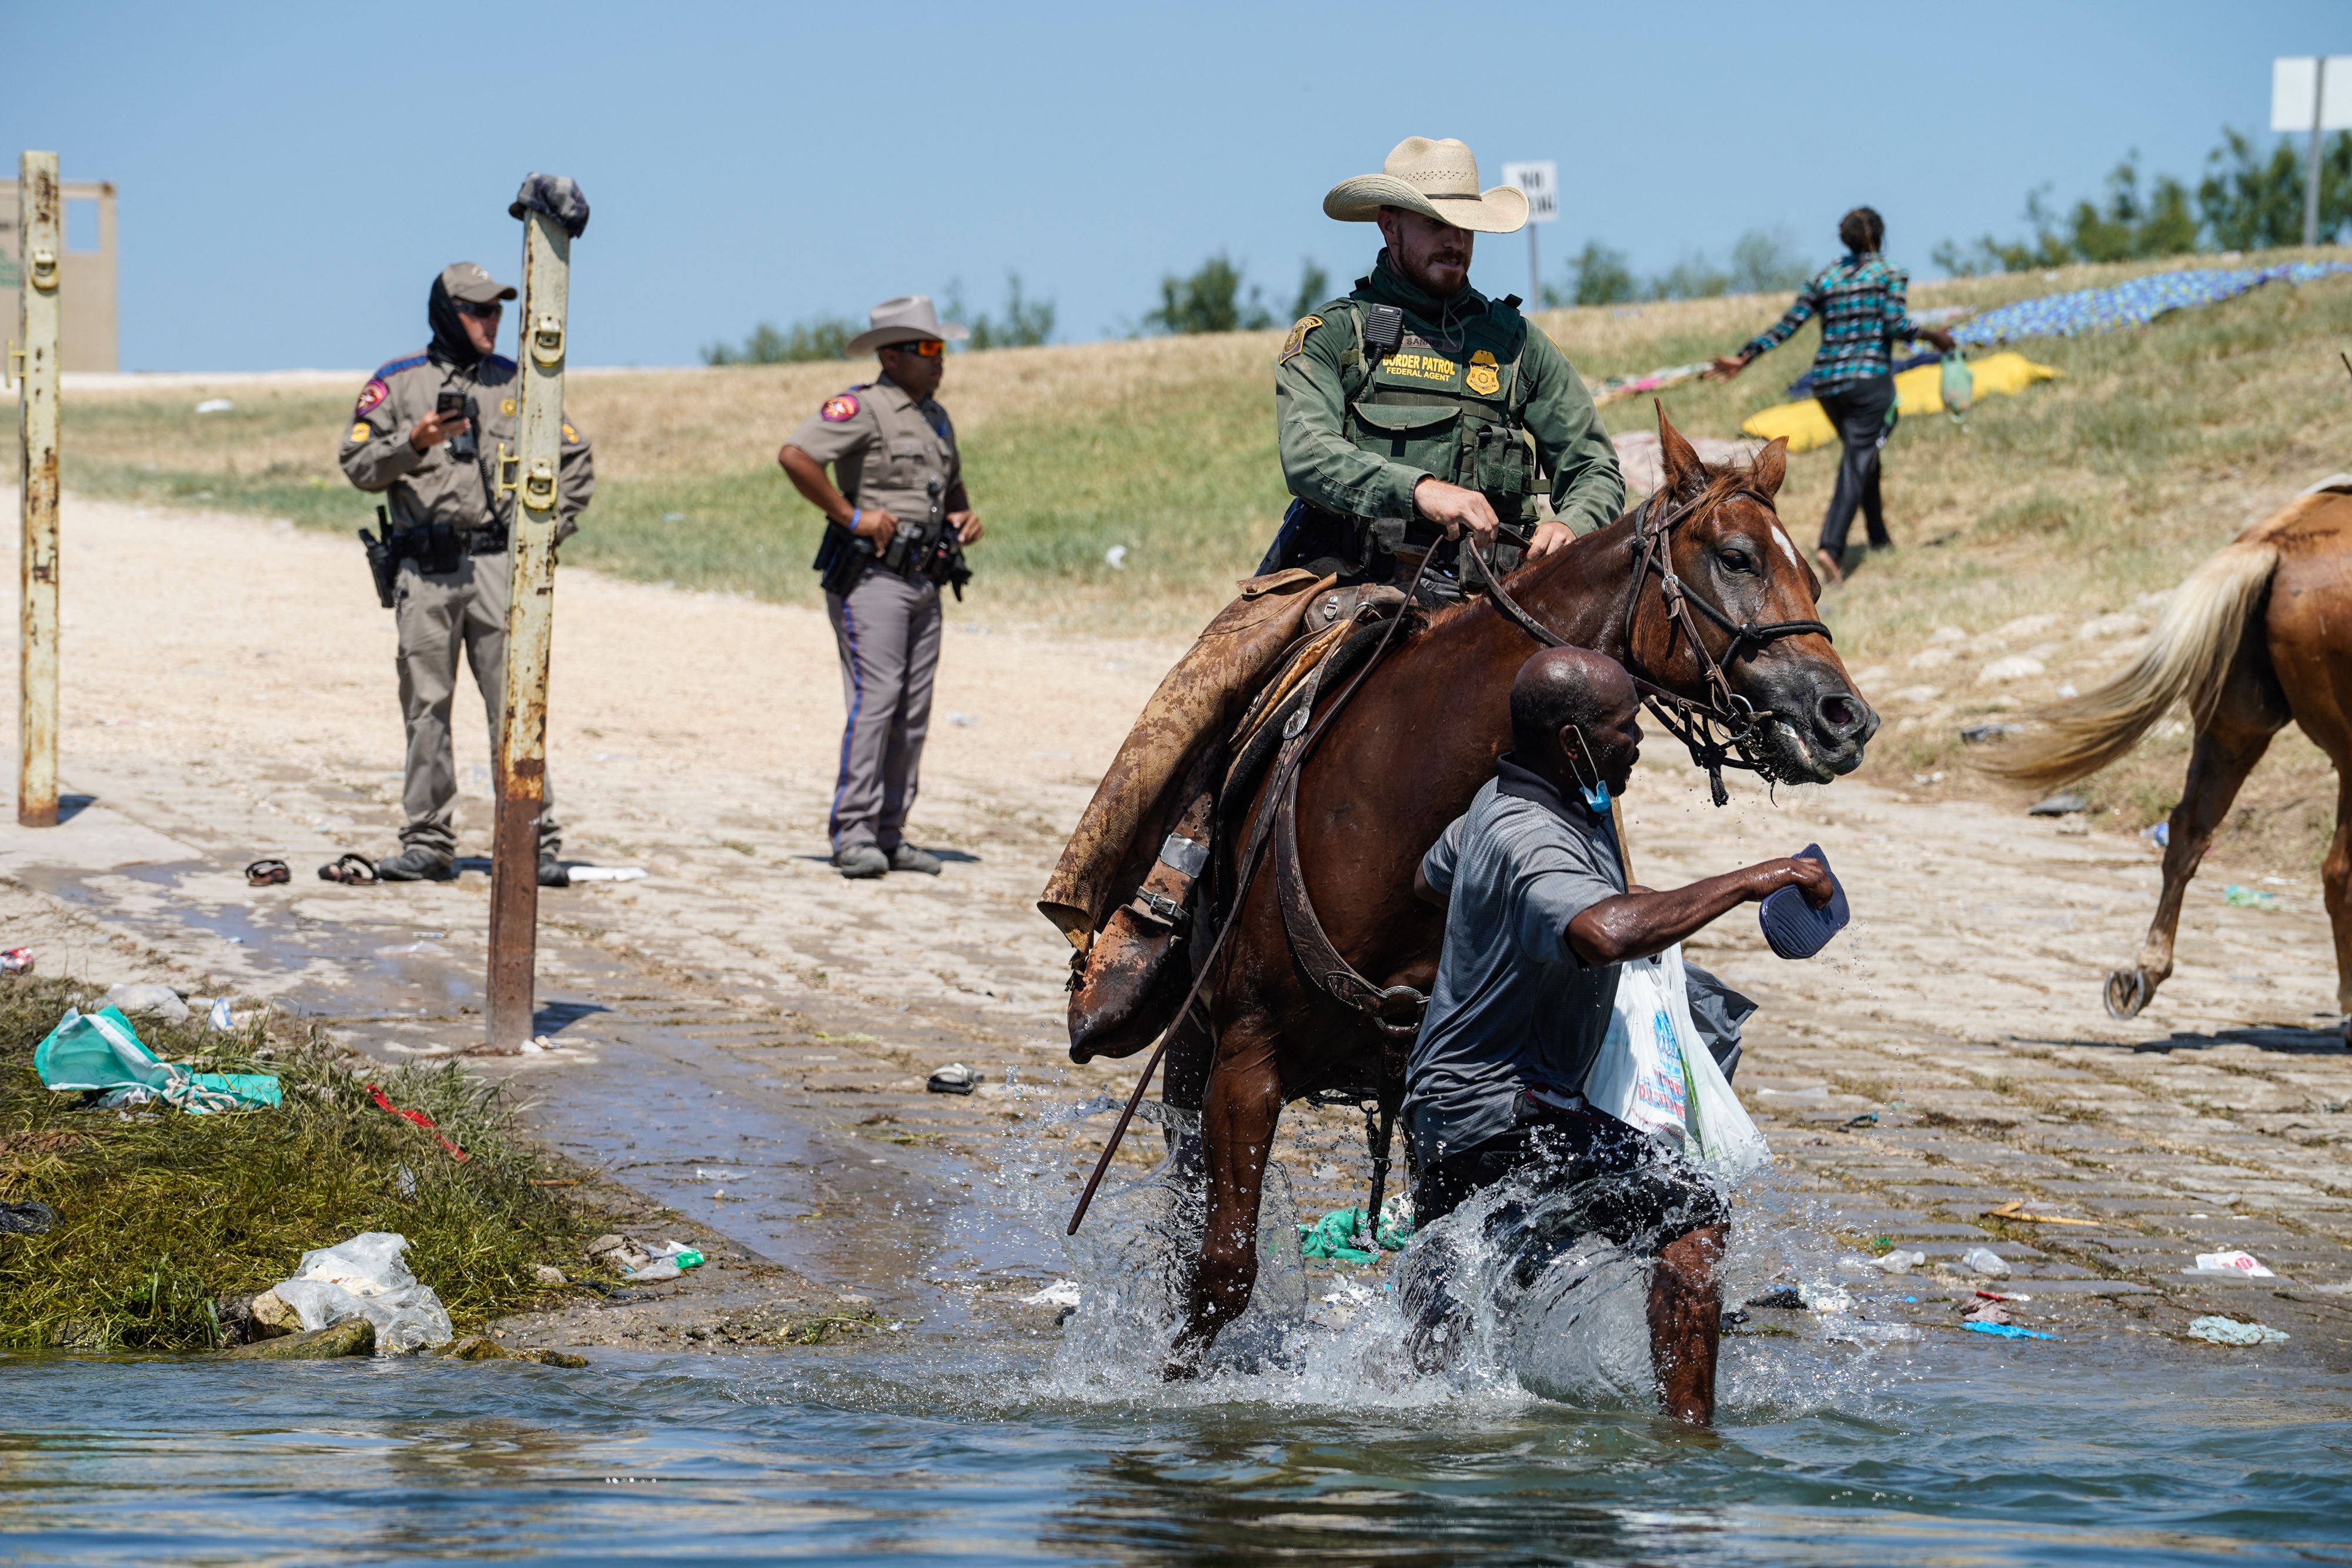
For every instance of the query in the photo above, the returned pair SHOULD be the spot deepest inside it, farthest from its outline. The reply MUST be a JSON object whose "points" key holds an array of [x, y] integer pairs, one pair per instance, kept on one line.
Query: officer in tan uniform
{"points": [[425, 435], [896, 512]]}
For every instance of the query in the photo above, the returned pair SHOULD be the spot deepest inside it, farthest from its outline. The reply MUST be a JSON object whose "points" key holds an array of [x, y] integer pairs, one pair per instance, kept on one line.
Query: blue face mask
{"points": [[1598, 799]]}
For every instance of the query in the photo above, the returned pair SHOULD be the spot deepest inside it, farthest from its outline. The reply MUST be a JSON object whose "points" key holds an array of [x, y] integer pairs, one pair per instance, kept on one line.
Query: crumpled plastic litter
{"points": [[365, 1277], [2240, 1263], [101, 1053], [1339, 1235], [27, 1218], [580, 873], [161, 1000], [1060, 1293], [668, 1261], [2229, 1331], [955, 1078], [1985, 1260], [2006, 1331], [2238, 897], [1900, 1261]]}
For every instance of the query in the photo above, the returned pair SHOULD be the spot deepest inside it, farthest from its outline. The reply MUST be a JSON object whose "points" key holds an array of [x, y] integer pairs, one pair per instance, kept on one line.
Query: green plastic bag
{"points": [[101, 1053], [1341, 1235], [1958, 385]]}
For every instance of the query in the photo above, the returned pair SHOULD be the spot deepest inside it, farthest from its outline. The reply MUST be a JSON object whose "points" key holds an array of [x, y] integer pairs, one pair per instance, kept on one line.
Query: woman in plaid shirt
{"points": [[1860, 301]]}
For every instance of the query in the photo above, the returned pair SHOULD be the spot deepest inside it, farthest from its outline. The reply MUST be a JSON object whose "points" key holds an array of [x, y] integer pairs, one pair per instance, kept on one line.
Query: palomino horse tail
{"points": [[2185, 658]]}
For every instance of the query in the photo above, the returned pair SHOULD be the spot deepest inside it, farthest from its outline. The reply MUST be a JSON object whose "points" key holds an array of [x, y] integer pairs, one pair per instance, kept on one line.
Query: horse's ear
{"points": [[1678, 463], [1769, 466]]}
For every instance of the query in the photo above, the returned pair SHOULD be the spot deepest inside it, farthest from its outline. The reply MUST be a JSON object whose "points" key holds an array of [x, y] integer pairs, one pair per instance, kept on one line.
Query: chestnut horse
{"points": [[1403, 758], [2259, 637]]}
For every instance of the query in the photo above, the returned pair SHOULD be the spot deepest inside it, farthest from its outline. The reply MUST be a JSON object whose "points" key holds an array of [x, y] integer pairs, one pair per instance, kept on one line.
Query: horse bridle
{"points": [[1720, 732]]}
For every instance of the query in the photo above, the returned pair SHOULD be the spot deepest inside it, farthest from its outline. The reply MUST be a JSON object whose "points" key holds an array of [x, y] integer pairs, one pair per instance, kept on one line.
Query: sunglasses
{"points": [[928, 348], [477, 307]]}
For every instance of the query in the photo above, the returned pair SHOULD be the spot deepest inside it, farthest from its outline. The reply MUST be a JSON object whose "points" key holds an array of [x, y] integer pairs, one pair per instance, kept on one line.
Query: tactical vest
{"points": [[1456, 409]]}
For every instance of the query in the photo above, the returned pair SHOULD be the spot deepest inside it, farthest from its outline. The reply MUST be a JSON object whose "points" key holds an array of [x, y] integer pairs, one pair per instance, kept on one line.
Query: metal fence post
{"points": [[521, 763], [41, 242]]}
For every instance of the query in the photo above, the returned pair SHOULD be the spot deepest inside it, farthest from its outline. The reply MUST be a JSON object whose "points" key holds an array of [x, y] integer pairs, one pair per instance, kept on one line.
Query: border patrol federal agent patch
{"points": [[1296, 341], [375, 393], [359, 431], [839, 409]]}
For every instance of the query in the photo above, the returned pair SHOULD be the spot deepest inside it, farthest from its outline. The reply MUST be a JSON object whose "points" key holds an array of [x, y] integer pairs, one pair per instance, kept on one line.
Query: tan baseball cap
{"points": [[464, 281], [1437, 179]]}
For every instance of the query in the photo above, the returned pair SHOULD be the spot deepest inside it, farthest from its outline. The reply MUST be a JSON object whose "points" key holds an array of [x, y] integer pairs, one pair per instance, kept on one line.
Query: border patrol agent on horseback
{"points": [[425, 435], [1414, 406]]}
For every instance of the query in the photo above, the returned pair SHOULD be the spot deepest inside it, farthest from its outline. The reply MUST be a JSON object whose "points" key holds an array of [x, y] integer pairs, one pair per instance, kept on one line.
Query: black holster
{"points": [[382, 564], [841, 560]]}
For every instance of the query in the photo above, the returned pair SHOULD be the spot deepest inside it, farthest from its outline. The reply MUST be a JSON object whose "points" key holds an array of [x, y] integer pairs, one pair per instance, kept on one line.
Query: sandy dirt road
{"points": [[229, 694]]}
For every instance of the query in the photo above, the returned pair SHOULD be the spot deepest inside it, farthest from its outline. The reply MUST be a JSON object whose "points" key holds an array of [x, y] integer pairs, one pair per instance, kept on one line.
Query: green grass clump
{"points": [[164, 1214]]}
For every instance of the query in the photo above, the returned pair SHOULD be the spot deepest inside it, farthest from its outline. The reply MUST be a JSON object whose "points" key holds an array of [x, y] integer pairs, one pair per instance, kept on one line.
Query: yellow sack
{"points": [[1917, 390]]}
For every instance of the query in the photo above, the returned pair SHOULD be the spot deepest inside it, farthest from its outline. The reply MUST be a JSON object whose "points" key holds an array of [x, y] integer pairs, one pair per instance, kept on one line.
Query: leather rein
{"points": [[1719, 732]]}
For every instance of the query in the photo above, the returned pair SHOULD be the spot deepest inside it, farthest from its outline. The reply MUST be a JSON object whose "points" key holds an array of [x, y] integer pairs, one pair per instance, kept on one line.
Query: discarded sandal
{"points": [[352, 871], [269, 873]]}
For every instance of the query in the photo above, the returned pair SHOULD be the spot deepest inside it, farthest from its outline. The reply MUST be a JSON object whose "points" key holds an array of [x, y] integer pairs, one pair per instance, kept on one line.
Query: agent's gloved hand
{"points": [[556, 195]]}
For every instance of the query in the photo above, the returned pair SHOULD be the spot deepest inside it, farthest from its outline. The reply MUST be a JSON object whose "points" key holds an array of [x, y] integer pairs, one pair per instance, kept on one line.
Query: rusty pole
{"points": [[521, 763], [40, 241]]}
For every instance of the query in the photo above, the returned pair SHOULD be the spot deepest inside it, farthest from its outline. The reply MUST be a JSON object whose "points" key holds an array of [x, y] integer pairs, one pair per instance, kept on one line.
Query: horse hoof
{"points": [[2128, 990]]}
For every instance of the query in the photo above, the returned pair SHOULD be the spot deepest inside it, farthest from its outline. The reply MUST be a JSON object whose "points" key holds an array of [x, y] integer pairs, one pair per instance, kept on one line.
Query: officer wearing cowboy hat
{"points": [[1417, 400], [895, 468]]}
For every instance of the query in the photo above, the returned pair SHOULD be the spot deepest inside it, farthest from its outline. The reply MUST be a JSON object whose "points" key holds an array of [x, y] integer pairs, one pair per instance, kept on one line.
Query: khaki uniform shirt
{"points": [[885, 449], [430, 487]]}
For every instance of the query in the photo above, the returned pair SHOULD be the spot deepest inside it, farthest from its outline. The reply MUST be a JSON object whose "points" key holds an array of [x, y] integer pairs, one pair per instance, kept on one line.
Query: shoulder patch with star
{"points": [[1296, 343], [839, 409], [375, 393]]}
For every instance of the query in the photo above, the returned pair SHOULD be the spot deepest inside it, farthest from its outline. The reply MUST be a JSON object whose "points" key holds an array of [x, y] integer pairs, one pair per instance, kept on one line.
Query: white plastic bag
{"points": [[365, 1278], [1639, 1078], [1720, 1129], [1655, 1072]]}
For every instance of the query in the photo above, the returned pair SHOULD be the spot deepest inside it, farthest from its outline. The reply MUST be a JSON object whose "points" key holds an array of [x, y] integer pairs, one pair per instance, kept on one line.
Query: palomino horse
{"points": [[2259, 636], [1405, 756]]}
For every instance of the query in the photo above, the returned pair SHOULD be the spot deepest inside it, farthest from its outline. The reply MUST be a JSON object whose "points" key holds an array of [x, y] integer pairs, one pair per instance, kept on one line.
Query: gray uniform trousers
{"points": [[887, 630], [436, 617]]}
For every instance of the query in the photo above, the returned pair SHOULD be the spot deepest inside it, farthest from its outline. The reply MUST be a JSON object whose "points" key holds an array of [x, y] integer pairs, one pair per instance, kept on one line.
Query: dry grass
{"points": [[2076, 500]]}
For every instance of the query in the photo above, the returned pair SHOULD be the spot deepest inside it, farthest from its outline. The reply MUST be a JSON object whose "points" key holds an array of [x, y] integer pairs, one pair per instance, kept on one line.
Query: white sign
{"points": [[2292, 78], [1540, 183]]}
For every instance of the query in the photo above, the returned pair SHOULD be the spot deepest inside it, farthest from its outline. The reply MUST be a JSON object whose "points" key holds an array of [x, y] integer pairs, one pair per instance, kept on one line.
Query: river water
{"points": [[1939, 1452], [985, 1433]]}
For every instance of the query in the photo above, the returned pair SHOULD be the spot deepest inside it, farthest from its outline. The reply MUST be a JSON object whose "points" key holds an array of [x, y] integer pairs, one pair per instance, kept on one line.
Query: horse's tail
{"points": [[2185, 658]]}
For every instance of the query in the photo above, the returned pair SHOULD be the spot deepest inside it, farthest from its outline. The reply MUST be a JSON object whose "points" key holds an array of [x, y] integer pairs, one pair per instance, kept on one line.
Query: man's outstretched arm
{"points": [[1636, 925]]}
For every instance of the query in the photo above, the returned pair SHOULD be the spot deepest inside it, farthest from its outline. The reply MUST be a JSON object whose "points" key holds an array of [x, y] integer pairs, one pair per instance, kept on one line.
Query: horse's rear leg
{"points": [[1242, 1105], [2227, 749], [2335, 883]]}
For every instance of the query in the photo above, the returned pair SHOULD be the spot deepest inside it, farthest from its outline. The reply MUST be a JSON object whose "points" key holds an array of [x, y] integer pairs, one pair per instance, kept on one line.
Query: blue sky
{"points": [[292, 176]]}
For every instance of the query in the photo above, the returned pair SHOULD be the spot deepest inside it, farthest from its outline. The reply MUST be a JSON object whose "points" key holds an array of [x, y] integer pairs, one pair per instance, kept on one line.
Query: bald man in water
{"points": [[1538, 921]]}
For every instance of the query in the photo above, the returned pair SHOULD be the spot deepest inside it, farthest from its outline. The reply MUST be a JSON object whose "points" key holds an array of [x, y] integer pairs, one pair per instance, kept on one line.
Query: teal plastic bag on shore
{"points": [[1957, 383], [101, 1053]]}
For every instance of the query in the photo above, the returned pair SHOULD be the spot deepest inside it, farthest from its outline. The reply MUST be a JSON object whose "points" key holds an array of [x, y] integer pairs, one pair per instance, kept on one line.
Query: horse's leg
{"points": [[2335, 883], [2227, 749], [1242, 1105], [1687, 1323]]}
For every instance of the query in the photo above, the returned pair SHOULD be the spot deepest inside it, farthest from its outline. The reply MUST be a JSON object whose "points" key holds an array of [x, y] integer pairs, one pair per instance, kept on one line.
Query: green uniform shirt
{"points": [[1457, 365]]}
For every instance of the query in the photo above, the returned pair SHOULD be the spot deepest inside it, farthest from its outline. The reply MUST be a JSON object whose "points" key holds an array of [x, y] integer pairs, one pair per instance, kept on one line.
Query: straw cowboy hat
{"points": [[1437, 179], [910, 318]]}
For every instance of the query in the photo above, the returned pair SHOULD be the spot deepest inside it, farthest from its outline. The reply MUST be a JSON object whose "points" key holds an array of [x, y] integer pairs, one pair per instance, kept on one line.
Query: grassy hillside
{"points": [[2070, 504]]}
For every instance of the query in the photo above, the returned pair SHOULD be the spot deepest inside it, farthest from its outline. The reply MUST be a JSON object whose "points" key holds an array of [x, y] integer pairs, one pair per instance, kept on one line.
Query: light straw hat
{"points": [[908, 319], [1437, 179]]}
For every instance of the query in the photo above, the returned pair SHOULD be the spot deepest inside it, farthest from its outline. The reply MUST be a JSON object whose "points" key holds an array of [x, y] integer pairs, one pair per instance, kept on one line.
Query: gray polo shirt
{"points": [[1513, 1007]]}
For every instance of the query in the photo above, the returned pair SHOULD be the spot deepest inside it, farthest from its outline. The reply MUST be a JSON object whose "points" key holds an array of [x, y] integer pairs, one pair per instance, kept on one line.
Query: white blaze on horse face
{"points": [[1781, 537]]}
